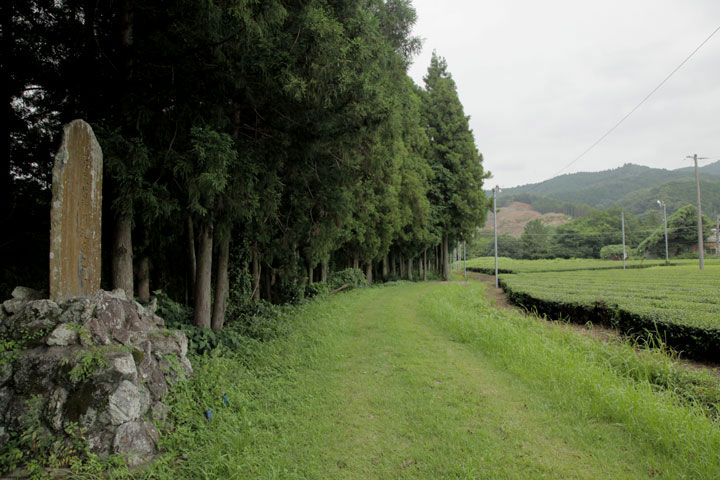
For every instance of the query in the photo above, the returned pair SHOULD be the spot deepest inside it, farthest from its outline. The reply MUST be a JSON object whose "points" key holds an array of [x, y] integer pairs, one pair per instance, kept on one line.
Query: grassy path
{"points": [[407, 382], [419, 405]]}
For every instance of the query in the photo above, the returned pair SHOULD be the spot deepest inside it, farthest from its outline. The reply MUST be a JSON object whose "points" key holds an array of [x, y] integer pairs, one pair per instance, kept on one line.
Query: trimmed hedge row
{"points": [[488, 271], [691, 341], [491, 270]]}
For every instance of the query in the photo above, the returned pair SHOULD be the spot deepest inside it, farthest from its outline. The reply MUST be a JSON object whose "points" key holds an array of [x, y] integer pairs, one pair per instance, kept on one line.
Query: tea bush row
{"points": [[676, 305]]}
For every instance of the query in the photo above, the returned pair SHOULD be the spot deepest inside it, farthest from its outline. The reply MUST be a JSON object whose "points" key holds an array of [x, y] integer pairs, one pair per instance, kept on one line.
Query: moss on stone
{"points": [[138, 356], [79, 401]]}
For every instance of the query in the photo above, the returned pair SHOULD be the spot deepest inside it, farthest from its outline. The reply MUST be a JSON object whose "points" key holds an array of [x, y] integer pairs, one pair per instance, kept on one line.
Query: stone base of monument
{"points": [[97, 366]]}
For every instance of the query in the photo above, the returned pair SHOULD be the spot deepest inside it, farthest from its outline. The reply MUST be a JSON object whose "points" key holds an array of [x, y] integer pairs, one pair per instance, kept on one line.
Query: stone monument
{"points": [[75, 216]]}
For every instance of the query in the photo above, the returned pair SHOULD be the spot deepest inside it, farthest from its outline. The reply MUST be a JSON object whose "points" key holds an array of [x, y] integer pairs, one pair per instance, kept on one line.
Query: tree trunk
{"points": [[256, 271], [222, 284], [191, 260], [268, 283], [203, 281], [425, 265], [392, 264], [6, 184], [143, 273], [410, 268], [356, 261], [368, 273], [323, 272], [401, 261], [310, 273], [122, 256], [445, 258], [385, 269]]}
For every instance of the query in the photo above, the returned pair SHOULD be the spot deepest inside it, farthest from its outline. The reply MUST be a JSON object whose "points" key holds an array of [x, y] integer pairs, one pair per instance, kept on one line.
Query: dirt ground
{"points": [[513, 218]]}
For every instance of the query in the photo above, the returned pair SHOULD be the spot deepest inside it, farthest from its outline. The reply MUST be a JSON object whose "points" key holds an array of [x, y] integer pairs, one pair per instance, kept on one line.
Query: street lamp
{"points": [[496, 190], [667, 256]]}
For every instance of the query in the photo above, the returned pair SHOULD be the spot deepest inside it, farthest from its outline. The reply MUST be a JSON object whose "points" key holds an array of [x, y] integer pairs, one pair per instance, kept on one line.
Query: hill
{"points": [[513, 218], [711, 169], [676, 194], [633, 187]]}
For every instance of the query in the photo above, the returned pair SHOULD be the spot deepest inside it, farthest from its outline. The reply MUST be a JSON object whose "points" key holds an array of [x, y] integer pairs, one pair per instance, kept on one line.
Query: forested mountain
{"points": [[676, 194], [711, 169], [596, 201], [249, 147], [632, 187]]}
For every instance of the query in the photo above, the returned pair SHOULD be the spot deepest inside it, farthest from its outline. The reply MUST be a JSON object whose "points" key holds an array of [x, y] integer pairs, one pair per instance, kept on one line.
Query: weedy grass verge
{"points": [[604, 382]]}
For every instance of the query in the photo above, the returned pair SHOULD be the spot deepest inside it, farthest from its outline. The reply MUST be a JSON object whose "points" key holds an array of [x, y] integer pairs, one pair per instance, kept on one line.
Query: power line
{"points": [[605, 234], [614, 127]]}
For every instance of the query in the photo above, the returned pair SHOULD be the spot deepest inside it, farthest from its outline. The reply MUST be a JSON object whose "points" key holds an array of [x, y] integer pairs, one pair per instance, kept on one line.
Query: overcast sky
{"points": [[543, 80]]}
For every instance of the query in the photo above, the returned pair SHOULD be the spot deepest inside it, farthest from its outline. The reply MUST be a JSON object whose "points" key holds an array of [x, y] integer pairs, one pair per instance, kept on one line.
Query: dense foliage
{"points": [[593, 235], [582, 237], [682, 233], [250, 148]]}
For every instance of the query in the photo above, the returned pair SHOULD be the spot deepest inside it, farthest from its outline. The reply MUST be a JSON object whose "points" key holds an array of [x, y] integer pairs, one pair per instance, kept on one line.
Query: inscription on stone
{"points": [[75, 216]]}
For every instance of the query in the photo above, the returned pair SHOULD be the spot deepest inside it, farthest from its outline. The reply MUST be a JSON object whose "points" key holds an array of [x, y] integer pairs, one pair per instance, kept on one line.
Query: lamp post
{"points": [[623, 238], [701, 246], [667, 255], [495, 192]]}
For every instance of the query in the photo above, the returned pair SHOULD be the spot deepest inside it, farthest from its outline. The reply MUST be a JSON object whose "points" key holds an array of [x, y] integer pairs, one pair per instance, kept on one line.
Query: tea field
{"points": [[511, 265], [679, 304]]}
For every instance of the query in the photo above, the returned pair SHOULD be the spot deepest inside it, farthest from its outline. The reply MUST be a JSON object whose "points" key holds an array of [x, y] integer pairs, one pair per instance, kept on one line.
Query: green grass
{"points": [[595, 383], [681, 295], [511, 265], [427, 381]]}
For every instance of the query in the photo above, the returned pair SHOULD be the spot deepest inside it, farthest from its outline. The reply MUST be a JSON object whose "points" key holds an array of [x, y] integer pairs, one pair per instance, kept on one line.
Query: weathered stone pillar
{"points": [[75, 215]]}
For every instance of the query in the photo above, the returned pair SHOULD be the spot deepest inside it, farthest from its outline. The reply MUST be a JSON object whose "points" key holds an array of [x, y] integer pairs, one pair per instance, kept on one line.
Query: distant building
{"points": [[711, 243]]}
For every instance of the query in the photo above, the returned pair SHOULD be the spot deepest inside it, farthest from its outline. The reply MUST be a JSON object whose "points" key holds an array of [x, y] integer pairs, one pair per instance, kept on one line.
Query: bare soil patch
{"points": [[495, 296], [513, 218]]}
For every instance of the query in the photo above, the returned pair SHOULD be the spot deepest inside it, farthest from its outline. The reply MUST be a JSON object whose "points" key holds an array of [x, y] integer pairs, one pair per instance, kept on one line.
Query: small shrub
{"points": [[88, 362], [317, 288], [175, 314], [352, 277], [36, 449]]}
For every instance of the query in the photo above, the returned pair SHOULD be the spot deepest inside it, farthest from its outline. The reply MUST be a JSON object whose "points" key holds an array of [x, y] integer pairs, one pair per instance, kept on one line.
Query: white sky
{"points": [[543, 80]]}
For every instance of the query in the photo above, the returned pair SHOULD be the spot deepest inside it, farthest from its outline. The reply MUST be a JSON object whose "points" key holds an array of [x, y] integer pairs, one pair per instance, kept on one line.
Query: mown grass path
{"points": [[389, 390], [417, 404]]}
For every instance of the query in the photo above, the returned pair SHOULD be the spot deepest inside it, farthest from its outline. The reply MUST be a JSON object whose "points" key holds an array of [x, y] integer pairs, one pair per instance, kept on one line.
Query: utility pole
{"points": [[623, 234], [667, 251], [495, 192], [701, 247], [717, 237], [459, 253]]}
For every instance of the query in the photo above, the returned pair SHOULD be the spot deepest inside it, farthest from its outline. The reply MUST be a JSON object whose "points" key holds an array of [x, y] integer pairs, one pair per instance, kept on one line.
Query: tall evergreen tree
{"points": [[282, 133], [456, 191]]}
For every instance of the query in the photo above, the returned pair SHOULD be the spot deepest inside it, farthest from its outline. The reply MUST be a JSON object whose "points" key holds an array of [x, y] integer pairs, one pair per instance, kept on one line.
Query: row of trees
{"points": [[599, 236], [260, 143]]}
